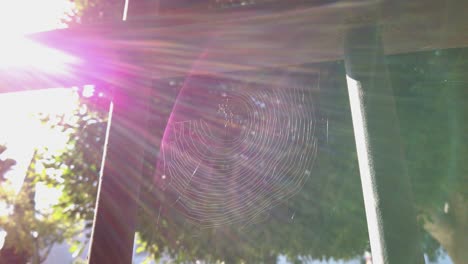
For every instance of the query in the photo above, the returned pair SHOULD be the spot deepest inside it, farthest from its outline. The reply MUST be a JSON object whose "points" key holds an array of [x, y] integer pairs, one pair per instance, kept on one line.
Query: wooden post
{"points": [[119, 187], [386, 187]]}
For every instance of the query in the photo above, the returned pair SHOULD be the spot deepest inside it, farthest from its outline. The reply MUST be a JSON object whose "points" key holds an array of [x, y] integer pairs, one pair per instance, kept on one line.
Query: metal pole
{"points": [[390, 213]]}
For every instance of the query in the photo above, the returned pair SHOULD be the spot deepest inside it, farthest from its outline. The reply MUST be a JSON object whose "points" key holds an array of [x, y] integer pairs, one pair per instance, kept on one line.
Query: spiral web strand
{"points": [[234, 150]]}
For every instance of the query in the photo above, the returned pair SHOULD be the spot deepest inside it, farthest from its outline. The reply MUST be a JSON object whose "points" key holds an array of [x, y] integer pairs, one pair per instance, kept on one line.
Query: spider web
{"points": [[233, 150]]}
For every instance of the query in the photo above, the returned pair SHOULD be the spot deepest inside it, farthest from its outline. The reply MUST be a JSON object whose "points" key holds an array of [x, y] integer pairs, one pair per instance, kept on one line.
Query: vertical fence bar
{"points": [[386, 188]]}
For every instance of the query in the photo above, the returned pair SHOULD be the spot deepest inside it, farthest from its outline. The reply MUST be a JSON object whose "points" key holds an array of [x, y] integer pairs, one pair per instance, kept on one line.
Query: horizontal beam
{"points": [[229, 42]]}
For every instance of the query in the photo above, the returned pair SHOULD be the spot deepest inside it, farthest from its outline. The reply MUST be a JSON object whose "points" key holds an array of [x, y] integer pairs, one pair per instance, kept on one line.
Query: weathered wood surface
{"points": [[229, 42]]}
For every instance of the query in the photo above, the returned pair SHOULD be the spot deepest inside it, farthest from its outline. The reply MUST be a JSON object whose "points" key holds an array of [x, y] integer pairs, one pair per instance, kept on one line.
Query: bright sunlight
{"points": [[21, 17], [17, 19]]}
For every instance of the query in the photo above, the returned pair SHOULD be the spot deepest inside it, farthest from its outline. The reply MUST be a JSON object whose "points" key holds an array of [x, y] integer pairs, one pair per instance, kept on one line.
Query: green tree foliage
{"points": [[79, 164], [431, 99], [76, 170], [31, 233], [96, 11]]}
